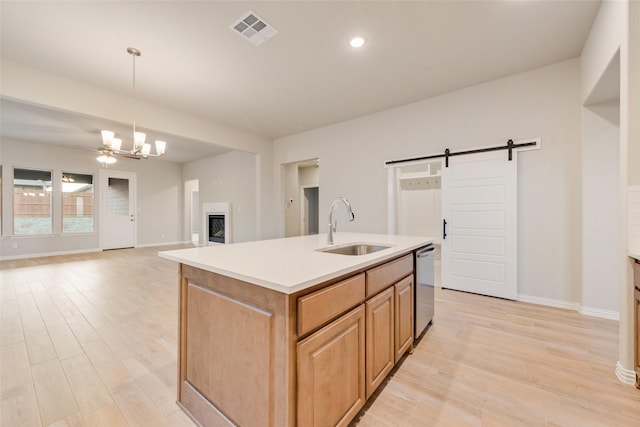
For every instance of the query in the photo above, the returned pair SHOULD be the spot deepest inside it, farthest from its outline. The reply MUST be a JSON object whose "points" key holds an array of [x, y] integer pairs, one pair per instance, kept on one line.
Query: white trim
{"points": [[147, 245], [598, 312], [47, 254], [625, 375], [84, 251], [392, 200], [549, 302], [587, 311]]}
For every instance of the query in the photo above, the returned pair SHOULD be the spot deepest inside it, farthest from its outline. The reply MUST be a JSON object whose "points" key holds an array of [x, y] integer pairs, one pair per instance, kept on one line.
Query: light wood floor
{"points": [[90, 340]]}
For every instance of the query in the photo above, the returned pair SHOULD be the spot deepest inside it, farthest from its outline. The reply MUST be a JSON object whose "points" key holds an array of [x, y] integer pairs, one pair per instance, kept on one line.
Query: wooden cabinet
{"points": [[403, 316], [324, 305], [380, 320], [340, 365], [331, 370], [636, 304], [385, 275], [254, 356]]}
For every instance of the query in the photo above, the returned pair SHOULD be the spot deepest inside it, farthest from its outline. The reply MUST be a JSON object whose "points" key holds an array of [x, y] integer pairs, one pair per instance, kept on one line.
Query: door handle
{"points": [[425, 252], [444, 229]]}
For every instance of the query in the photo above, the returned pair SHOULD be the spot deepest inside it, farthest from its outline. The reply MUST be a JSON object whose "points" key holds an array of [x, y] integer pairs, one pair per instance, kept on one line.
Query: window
{"points": [[77, 203], [31, 202], [118, 196]]}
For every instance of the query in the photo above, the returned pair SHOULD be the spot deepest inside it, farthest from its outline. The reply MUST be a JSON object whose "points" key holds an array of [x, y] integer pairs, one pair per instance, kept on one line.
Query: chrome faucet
{"points": [[332, 225]]}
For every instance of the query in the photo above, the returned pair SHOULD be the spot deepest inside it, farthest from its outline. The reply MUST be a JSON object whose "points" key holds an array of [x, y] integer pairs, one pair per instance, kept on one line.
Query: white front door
{"points": [[118, 212], [479, 205]]}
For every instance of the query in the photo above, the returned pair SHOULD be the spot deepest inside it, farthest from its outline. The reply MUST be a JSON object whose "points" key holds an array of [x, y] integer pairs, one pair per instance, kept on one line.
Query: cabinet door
{"points": [[331, 365], [380, 333], [404, 316]]}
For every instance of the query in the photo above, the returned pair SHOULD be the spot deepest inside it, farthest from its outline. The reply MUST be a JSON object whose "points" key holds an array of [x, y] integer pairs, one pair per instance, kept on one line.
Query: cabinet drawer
{"points": [[636, 274], [323, 305], [387, 274]]}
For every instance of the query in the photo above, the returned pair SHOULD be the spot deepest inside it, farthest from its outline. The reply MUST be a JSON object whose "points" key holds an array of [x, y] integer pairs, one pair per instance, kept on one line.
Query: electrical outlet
{"points": [[14, 246]]}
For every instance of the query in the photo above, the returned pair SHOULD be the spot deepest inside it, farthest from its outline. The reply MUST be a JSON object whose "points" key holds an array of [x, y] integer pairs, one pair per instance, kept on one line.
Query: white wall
{"points": [[420, 212], [229, 177], [604, 39], [541, 103], [633, 94], [617, 29], [601, 210], [159, 192]]}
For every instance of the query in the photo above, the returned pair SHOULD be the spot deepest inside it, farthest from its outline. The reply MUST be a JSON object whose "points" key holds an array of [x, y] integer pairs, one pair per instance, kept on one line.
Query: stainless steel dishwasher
{"points": [[425, 261]]}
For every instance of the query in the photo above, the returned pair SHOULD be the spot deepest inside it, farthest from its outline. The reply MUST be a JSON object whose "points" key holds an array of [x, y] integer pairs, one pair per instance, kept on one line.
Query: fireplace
{"points": [[216, 223], [216, 228]]}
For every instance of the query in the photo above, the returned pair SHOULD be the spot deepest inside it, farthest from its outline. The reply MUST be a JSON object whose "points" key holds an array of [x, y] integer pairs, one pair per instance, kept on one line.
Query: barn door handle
{"points": [[444, 229]]}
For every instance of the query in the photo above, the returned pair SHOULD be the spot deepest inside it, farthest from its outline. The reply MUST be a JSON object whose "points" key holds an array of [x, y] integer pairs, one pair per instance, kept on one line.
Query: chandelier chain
{"points": [[134, 53], [134, 94]]}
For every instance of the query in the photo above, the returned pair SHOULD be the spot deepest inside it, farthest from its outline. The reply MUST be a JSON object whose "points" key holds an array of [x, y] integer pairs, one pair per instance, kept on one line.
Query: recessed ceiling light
{"points": [[357, 42]]}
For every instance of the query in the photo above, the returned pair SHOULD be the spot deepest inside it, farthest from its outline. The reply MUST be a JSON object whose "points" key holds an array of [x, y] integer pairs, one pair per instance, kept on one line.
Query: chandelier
{"points": [[112, 146]]}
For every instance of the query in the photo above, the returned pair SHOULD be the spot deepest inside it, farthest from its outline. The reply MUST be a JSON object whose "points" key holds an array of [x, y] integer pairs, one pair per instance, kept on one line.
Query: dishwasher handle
{"points": [[425, 252]]}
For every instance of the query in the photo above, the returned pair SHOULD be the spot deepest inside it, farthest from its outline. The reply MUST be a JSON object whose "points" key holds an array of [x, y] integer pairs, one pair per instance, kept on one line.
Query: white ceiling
{"points": [[304, 77]]}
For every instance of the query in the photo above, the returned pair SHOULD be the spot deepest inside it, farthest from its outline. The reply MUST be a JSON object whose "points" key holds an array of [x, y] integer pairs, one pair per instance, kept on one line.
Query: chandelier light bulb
{"points": [[108, 160], [107, 137], [146, 149], [160, 147], [138, 140]]}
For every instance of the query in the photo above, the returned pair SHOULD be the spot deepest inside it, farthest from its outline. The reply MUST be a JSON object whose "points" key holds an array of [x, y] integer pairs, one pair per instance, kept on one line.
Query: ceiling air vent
{"points": [[253, 28]]}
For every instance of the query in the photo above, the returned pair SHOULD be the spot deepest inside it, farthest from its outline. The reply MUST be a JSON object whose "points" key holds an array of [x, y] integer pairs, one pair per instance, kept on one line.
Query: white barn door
{"points": [[479, 205]]}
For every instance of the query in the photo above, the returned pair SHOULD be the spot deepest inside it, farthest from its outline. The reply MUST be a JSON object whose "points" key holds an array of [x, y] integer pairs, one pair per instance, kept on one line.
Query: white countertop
{"points": [[292, 264], [634, 253]]}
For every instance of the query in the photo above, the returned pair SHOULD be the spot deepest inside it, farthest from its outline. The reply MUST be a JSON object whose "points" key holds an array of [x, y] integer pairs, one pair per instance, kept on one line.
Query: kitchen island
{"points": [[278, 333]]}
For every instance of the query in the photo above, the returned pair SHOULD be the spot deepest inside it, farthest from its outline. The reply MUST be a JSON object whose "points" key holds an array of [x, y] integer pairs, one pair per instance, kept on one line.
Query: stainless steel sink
{"points": [[354, 249]]}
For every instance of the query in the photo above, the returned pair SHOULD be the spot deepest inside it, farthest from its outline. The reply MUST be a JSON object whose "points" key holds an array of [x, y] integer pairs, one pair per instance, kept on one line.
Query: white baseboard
{"points": [[587, 311], [82, 251], [46, 254], [625, 375], [549, 302], [148, 245], [598, 312]]}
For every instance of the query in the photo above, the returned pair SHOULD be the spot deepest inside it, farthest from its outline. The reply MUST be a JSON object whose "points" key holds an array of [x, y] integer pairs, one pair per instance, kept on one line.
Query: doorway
{"points": [[192, 210], [309, 210], [301, 194], [118, 210]]}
